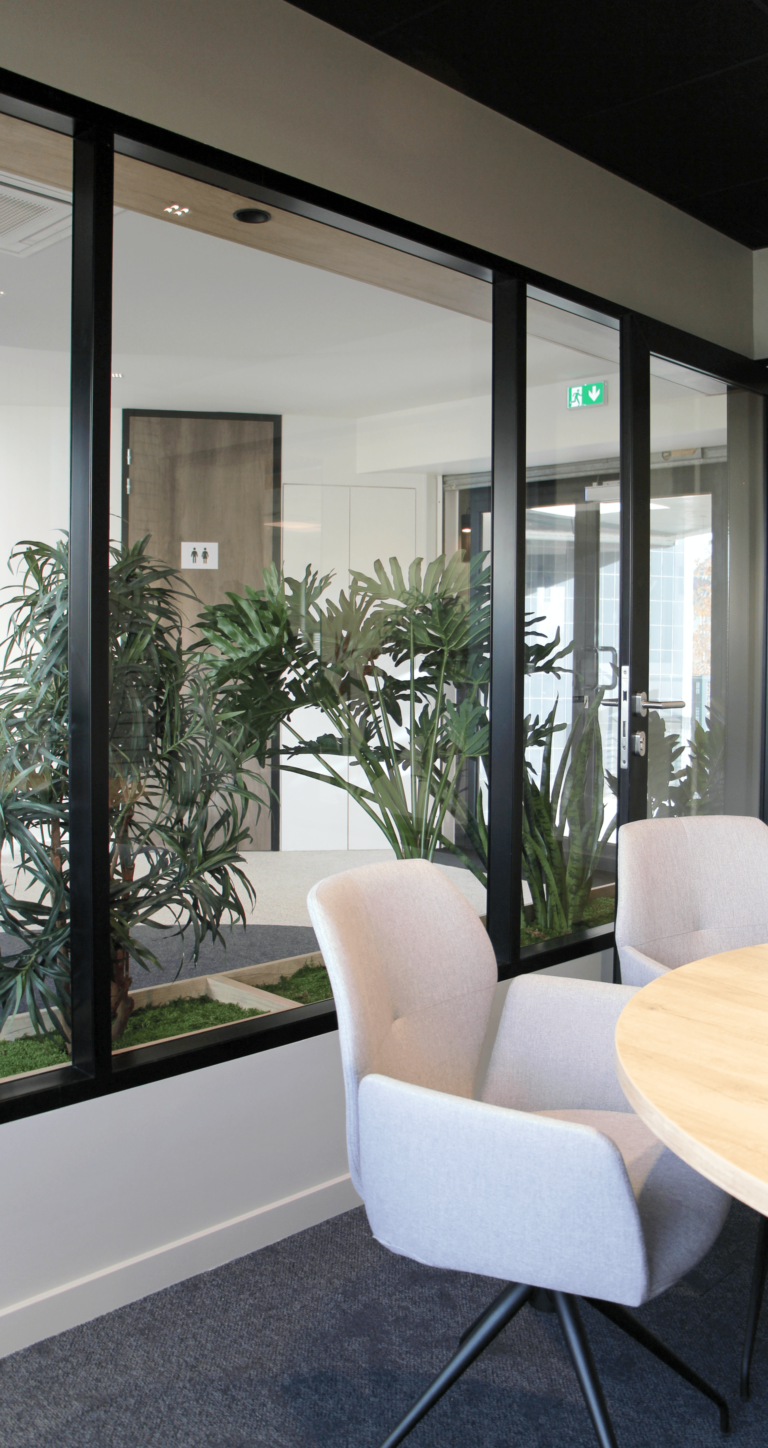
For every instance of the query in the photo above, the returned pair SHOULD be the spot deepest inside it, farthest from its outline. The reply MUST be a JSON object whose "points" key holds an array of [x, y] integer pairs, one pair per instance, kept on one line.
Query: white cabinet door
{"points": [[382, 524], [336, 529]]}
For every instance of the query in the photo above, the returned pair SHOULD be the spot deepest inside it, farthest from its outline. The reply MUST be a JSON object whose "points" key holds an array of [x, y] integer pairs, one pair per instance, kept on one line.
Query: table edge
{"points": [[732, 1179]]}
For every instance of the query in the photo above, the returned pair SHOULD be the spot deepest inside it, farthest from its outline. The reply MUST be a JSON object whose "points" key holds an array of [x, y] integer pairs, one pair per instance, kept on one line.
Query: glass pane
{"points": [[706, 638], [300, 664], [35, 284], [572, 624]]}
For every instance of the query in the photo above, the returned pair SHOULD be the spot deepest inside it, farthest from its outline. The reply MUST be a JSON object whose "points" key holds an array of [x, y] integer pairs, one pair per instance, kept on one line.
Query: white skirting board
{"points": [[72, 1303]]}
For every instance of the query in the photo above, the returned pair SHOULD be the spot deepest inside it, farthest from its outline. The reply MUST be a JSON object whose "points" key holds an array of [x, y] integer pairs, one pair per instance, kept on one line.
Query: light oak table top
{"points": [[692, 1058]]}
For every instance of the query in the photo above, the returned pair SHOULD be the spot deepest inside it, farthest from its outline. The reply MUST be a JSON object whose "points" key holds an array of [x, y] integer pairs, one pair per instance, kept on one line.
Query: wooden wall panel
{"points": [[207, 479], [149, 189], [34, 153]]}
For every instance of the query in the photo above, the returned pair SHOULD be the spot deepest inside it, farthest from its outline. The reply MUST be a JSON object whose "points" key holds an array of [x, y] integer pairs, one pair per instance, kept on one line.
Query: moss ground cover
{"points": [[29, 1054], [596, 912], [196, 1013], [309, 984], [152, 1023]]}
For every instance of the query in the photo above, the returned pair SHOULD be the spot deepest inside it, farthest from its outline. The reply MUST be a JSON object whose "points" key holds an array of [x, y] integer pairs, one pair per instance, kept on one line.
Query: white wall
{"points": [[109, 1200], [34, 475], [34, 485], [447, 437], [264, 80]]}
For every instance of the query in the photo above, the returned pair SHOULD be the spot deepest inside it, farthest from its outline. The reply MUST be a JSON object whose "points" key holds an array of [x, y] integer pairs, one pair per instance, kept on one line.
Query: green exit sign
{"points": [[588, 394]]}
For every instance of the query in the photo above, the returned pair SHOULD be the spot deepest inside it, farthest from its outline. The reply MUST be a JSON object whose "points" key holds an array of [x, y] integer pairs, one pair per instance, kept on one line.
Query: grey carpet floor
{"points": [[240, 946], [323, 1341]]}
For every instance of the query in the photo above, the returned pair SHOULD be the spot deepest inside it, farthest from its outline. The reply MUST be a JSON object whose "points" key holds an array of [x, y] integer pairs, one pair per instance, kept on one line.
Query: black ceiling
{"points": [[670, 94]]}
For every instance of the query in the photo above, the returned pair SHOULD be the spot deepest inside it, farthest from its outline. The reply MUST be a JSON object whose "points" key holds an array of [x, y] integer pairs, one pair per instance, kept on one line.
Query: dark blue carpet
{"points": [[323, 1341]]}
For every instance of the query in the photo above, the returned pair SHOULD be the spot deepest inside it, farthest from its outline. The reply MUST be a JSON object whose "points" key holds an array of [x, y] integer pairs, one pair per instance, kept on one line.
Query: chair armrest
{"points": [[554, 1048], [462, 1184], [638, 969]]}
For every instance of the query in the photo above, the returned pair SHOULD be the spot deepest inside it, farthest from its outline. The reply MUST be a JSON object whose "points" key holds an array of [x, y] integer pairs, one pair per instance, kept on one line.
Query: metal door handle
{"points": [[641, 704], [624, 718]]}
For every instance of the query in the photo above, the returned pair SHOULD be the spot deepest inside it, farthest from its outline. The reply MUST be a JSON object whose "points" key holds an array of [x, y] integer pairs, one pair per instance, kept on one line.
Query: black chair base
{"points": [[500, 1313], [652, 1343], [759, 1272]]}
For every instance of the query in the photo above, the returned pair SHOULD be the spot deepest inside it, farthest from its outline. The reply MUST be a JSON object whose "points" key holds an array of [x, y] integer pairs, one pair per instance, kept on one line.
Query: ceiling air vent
{"points": [[32, 215]]}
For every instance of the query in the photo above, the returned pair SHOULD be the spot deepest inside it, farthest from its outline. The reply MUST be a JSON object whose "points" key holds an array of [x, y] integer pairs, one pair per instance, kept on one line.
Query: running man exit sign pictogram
{"points": [[588, 394]]}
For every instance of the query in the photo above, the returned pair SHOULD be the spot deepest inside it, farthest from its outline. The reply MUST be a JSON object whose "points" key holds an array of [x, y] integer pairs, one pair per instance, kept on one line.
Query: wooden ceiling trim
{"points": [[149, 190], [34, 154]]}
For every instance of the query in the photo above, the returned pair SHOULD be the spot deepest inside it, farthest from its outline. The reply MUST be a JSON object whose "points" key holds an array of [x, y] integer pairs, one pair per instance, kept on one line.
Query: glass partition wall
{"points": [[300, 654], [703, 719], [572, 601], [35, 287], [288, 537]]}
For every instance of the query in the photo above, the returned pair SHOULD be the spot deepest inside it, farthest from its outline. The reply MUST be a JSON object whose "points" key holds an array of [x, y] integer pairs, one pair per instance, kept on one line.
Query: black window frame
{"points": [[97, 134]]}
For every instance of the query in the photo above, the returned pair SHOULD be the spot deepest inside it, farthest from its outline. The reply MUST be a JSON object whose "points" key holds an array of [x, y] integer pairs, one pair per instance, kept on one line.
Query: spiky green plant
{"points": [[697, 786], [563, 818], [400, 669], [178, 788]]}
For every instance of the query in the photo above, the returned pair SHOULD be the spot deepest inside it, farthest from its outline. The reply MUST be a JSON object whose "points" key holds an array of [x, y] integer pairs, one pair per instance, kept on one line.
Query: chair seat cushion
{"points": [[681, 1212]]}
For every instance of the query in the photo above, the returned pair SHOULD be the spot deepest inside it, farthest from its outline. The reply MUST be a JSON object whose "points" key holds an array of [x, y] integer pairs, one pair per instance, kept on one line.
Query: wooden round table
{"points": [[692, 1058]]}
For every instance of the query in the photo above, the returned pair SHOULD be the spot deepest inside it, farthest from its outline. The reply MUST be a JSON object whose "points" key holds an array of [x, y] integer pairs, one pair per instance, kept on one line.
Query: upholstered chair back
{"points": [[413, 976], [692, 887]]}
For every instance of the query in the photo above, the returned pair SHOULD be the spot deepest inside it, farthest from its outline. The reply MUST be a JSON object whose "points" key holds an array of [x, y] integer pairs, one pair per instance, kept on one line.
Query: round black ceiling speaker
{"points": [[252, 216]]}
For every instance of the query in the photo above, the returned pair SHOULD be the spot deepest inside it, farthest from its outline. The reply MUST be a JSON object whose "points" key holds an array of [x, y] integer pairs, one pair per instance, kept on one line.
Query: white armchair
{"points": [[549, 1179], [688, 888]]}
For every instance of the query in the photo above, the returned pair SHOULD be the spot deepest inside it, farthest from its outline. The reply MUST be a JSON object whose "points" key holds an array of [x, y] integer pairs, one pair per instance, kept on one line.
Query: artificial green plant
{"points": [[564, 830], [400, 669], [697, 787], [178, 787]]}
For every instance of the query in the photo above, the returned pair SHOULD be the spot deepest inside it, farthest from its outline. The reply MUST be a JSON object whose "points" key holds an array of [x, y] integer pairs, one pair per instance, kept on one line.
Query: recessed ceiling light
{"points": [[117, 374], [252, 215], [177, 210]]}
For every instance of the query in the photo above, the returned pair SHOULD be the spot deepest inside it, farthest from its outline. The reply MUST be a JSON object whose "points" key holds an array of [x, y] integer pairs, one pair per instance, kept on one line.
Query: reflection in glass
{"points": [[572, 623], [706, 581], [35, 274]]}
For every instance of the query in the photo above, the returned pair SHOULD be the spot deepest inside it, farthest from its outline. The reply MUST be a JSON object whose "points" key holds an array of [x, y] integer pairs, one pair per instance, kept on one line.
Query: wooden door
{"points": [[196, 478]]}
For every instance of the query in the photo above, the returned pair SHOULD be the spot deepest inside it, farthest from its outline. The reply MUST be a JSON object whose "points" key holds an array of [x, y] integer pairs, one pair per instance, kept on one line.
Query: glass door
{"points": [[695, 727], [572, 605]]}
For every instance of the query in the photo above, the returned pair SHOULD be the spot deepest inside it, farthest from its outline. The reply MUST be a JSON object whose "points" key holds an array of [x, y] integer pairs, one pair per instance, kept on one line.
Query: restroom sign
{"points": [[588, 394], [200, 555]]}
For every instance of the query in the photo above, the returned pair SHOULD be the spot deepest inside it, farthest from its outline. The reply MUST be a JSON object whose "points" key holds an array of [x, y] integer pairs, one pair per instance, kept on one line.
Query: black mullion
{"points": [[764, 769], [635, 559], [635, 549], [507, 621], [89, 599]]}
